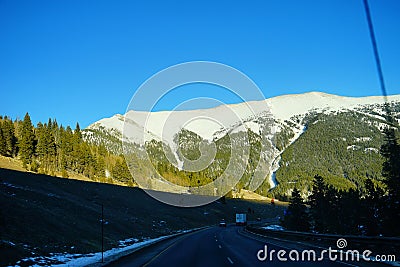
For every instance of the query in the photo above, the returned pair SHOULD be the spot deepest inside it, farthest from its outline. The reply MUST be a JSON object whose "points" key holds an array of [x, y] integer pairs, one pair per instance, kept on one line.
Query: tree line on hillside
{"points": [[57, 150], [372, 211], [188, 150], [342, 147]]}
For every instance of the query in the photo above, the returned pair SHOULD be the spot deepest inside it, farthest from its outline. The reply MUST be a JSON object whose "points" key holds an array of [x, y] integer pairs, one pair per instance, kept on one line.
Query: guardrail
{"points": [[377, 244]]}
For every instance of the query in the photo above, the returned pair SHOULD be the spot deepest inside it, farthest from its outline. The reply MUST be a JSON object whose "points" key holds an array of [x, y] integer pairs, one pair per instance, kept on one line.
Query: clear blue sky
{"points": [[83, 60]]}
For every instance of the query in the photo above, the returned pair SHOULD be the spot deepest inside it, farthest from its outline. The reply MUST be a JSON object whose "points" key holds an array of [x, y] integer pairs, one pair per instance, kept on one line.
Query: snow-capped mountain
{"points": [[276, 123], [143, 126]]}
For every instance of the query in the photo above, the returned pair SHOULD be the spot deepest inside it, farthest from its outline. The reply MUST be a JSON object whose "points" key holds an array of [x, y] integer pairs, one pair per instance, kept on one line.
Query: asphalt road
{"points": [[216, 246]]}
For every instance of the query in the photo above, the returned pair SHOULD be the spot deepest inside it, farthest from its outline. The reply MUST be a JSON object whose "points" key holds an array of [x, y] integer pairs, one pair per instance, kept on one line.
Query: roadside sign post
{"points": [[102, 233]]}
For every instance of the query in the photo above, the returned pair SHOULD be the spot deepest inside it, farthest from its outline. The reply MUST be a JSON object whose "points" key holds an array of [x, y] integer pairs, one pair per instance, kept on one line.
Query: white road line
{"points": [[219, 246], [229, 259]]}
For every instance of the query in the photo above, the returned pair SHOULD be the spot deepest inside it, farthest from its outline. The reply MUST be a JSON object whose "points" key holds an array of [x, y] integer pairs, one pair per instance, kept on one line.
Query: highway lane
{"points": [[215, 246]]}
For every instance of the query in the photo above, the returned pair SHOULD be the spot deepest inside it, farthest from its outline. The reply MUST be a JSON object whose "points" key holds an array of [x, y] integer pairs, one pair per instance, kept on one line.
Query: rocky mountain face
{"points": [[268, 146]]}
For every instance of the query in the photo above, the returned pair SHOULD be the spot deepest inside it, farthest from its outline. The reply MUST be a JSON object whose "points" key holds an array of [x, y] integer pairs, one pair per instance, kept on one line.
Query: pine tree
{"points": [[26, 141], [55, 130], [390, 150], [51, 148], [3, 149], [350, 212], [66, 147], [79, 153], [41, 143], [372, 209], [318, 204], [100, 167], [332, 205], [86, 161], [296, 217], [77, 134], [45, 148], [121, 172], [9, 137]]}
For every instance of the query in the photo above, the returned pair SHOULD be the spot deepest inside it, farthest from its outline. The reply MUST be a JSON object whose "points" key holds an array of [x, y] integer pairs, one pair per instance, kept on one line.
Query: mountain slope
{"points": [[282, 142]]}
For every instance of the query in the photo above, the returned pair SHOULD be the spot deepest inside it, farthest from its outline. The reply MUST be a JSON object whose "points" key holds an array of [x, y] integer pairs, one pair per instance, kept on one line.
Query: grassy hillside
{"points": [[40, 214]]}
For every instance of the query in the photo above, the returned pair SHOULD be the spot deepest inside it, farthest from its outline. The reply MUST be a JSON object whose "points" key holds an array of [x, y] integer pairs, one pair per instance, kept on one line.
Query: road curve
{"points": [[215, 246]]}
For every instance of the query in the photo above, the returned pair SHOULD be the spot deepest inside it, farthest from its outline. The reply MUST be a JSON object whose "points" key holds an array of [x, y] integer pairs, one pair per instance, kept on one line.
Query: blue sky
{"points": [[83, 60]]}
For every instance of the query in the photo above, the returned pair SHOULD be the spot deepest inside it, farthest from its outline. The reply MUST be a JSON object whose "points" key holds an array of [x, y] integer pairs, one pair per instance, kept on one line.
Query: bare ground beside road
{"points": [[40, 214]]}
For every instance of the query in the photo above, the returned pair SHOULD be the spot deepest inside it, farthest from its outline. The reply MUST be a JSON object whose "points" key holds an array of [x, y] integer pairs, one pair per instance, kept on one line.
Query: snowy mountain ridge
{"points": [[280, 108], [265, 129]]}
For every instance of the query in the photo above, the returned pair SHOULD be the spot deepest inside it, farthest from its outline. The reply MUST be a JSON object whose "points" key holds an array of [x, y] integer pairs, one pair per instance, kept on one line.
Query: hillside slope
{"points": [[269, 135], [41, 214]]}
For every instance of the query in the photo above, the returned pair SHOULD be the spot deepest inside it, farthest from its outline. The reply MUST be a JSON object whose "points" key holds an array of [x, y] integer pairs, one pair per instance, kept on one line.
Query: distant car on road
{"points": [[222, 223]]}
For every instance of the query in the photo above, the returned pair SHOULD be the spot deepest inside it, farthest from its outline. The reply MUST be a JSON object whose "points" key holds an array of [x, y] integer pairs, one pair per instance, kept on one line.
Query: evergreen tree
{"points": [[50, 124], [121, 172], [331, 213], [26, 140], [3, 150], [99, 166], [67, 148], [55, 130], [41, 143], [351, 212], [79, 152], [45, 148], [318, 204], [77, 134], [9, 137], [54, 125], [334, 211], [296, 217], [86, 161], [390, 150], [51, 143], [372, 208]]}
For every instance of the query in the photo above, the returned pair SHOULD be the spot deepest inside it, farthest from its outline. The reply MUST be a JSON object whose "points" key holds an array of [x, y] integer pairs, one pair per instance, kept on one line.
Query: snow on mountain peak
{"points": [[141, 126]]}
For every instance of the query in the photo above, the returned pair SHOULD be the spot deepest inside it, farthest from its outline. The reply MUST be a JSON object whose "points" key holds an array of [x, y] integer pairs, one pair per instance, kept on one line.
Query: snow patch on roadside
{"points": [[274, 227], [67, 259]]}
